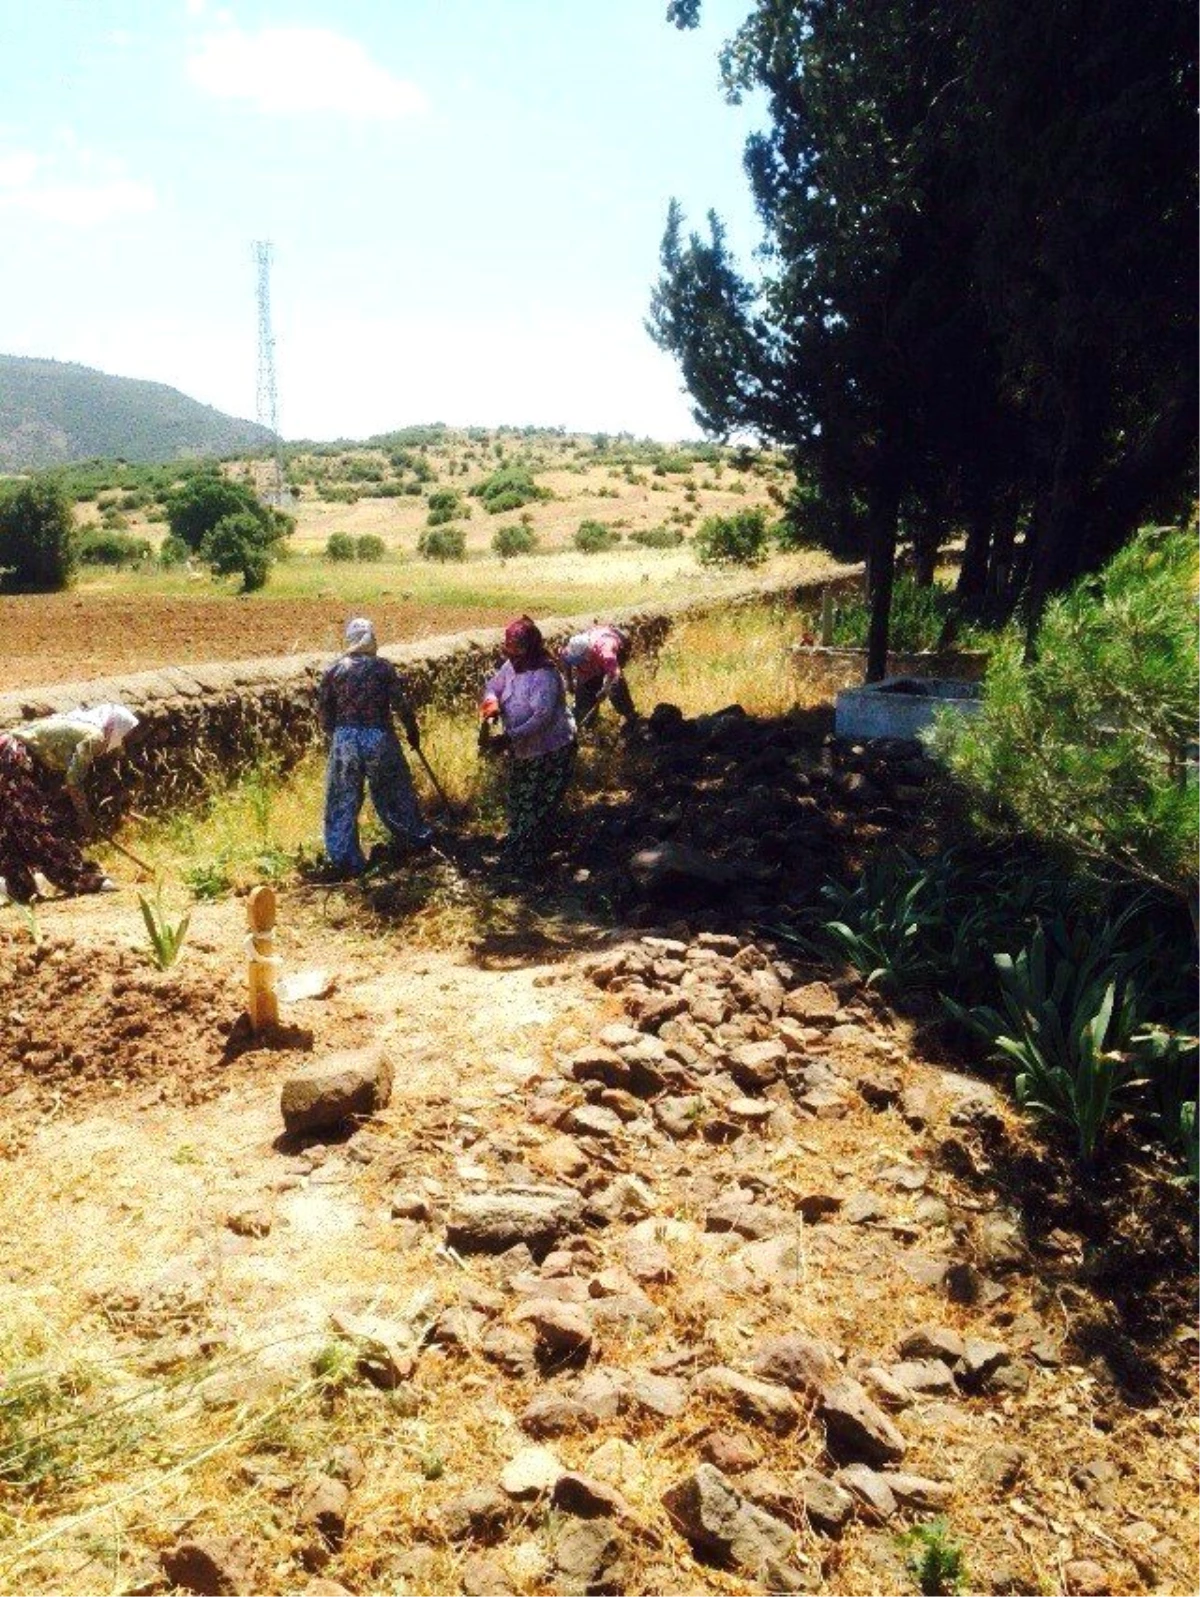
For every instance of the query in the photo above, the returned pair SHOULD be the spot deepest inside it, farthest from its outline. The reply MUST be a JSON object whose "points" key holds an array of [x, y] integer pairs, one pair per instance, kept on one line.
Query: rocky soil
{"points": [[679, 1264]]}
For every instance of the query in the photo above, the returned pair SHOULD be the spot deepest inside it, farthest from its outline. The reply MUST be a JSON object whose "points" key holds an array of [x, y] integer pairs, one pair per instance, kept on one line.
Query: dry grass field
{"points": [[119, 621]]}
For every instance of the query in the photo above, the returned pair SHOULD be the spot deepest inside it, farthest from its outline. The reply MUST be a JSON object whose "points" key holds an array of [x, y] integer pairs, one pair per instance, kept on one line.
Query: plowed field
{"points": [[67, 637]]}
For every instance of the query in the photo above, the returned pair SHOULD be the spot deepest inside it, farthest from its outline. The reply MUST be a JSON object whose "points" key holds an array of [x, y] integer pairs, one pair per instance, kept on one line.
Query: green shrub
{"points": [[239, 545], [657, 537], [443, 543], [338, 493], [370, 547], [737, 540], [919, 618], [102, 546], [1086, 746], [594, 537], [173, 552], [508, 488], [194, 510], [513, 540], [935, 1561], [340, 547], [38, 538]]}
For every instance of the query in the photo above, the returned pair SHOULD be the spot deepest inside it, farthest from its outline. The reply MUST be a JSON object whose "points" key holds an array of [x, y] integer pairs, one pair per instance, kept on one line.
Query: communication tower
{"points": [[268, 398]]}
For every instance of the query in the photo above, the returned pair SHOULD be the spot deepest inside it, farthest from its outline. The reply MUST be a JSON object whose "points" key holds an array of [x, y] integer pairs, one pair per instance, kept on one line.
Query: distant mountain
{"points": [[53, 413]]}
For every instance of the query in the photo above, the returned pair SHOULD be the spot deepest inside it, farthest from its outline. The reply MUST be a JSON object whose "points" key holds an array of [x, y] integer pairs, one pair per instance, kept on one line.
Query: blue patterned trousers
{"points": [[370, 757]]}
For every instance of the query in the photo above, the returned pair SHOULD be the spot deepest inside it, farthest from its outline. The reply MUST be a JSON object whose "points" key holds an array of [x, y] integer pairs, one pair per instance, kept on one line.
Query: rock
{"points": [[738, 1212], [815, 1002], [718, 1521], [761, 1402], [531, 1473], [564, 1334], [483, 1577], [818, 1206], [919, 1493], [214, 1566], [587, 1498], [619, 1463], [1097, 1480], [869, 1489], [458, 1327], [755, 1065], [602, 1392], [731, 1454], [671, 867], [800, 1362], [754, 1111], [562, 1157], [626, 1198], [513, 1351], [981, 1359], [251, 1221], [554, 1415], [918, 1106], [345, 1463], [663, 1395], [492, 1222], [480, 1515], [342, 1088], [1000, 1466], [601, 1063], [680, 1116], [648, 1261], [1001, 1243], [593, 1121], [880, 1089], [827, 1505], [322, 1513], [588, 1558], [322, 1586], [387, 1349], [928, 1376], [411, 1206], [1084, 1577], [855, 1428], [933, 1342]]}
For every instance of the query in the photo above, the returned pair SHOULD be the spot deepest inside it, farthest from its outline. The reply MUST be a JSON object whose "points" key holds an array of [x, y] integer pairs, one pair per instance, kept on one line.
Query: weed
{"points": [[433, 1466], [29, 915], [166, 939], [935, 1560], [208, 880]]}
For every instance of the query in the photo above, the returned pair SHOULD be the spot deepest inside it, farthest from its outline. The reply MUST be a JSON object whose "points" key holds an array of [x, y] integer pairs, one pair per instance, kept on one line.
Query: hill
{"points": [[53, 412]]}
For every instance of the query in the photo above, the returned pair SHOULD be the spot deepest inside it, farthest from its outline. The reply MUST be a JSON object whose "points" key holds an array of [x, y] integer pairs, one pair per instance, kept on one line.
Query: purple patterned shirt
{"points": [[533, 708]]}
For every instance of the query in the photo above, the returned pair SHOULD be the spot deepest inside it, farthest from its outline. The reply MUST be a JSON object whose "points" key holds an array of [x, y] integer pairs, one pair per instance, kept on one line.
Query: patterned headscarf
{"points": [[576, 651], [360, 636], [524, 645], [113, 721]]}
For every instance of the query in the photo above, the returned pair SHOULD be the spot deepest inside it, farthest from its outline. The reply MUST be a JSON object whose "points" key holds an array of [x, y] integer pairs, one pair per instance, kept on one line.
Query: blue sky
{"points": [[465, 199]]}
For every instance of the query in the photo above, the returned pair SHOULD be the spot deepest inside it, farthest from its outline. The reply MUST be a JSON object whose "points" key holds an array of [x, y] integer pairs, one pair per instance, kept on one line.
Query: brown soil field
{"points": [[67, 637]]}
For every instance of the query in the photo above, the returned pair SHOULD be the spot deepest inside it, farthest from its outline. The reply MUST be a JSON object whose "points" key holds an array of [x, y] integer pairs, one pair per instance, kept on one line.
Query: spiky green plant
{"points": [[166, 937]]}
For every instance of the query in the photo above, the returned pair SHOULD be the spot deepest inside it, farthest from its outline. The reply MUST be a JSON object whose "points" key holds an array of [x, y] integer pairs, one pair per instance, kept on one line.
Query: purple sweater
{"points": [[533, 708]]}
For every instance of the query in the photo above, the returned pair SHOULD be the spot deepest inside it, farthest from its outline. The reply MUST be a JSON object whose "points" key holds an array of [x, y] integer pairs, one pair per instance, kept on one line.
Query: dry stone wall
{"points": [[205, 722]]}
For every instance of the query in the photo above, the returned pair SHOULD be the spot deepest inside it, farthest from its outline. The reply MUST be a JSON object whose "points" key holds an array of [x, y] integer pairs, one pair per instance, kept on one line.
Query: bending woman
{"points": [[528, 696], [43, 811]]}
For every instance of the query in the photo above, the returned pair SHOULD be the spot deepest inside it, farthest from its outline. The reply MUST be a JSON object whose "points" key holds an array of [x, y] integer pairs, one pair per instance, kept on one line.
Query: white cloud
{"points": [[299, 70], [77, 188]]}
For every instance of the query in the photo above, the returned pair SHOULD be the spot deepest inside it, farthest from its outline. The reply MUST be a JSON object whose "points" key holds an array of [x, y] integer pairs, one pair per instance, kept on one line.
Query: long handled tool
{"points": [[111, 842], [437, 786]]}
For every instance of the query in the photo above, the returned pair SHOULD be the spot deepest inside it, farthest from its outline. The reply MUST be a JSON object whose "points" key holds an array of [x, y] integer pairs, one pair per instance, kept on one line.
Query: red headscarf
{"points": [[524, 645]]}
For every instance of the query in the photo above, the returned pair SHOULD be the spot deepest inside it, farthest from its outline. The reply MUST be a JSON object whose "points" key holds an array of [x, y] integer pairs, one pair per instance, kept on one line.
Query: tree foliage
{"points": [[1087, 745], [975, 309], [38, 539], [240, 545]]}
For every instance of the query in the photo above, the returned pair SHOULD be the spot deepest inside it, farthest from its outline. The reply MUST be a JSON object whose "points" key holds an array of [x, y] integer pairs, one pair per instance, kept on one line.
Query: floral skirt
{"points": [[38, 829], [536, 789]]}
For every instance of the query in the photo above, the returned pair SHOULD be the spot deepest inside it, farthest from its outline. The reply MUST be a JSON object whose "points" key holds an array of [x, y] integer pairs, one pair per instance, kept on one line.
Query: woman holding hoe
{"points": [[44, 814], [529, 700]]}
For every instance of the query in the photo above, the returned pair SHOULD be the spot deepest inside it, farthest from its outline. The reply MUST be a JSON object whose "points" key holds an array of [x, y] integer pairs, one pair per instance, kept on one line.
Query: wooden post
{"points": [[262, 972], [826, 618]]}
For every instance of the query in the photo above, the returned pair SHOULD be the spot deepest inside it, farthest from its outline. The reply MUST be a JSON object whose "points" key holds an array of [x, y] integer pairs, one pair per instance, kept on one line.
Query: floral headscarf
{"points": [[524, 645]]}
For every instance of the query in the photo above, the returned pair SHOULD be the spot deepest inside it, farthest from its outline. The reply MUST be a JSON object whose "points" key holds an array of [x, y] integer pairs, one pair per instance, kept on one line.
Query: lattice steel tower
{"points": [[268, 398]]}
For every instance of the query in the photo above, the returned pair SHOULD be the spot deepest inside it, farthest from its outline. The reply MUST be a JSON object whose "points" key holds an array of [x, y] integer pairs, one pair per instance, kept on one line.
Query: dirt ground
{"points": [[70, 637], [143, 1146]]}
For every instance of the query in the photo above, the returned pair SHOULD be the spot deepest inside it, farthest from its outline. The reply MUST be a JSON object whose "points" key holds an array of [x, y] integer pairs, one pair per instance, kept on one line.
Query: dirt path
{"points": [[792, 1269]]}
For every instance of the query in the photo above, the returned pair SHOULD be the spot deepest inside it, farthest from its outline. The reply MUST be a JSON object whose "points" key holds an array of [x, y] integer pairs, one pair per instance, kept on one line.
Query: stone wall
{"points": [[203, 723]]}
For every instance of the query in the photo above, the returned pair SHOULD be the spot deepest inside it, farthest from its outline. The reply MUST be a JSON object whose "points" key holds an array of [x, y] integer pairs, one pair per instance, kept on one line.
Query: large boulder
{"points": [[337, 1091]]}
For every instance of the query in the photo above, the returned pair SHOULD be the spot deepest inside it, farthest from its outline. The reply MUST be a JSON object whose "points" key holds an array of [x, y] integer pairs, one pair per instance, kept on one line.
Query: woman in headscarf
{"points": [[528, 697], [357, 696], [593, 661], [43, 810]]}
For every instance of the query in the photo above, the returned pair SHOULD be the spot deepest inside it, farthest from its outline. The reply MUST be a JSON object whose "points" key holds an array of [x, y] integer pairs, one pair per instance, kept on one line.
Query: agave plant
{"points": [[1067, 1024]]}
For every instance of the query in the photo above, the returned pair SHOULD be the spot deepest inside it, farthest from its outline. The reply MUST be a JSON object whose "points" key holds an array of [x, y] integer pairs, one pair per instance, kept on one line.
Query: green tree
{"points": [[976, 304], [240, 545], [339, 546], [514, 540], [194, 510], [443, 543], [38, 538], [737, 540], [1086, 746]]}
